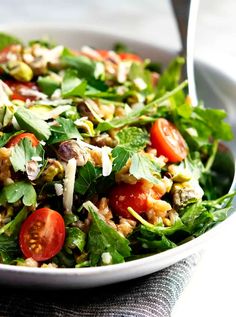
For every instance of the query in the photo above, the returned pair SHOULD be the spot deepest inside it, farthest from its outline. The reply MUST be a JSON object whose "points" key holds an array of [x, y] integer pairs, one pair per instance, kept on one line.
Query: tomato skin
{"points": [[16, 139], [42, 234], [130, 57], [168, 141], [4, 53], [16, 87]]}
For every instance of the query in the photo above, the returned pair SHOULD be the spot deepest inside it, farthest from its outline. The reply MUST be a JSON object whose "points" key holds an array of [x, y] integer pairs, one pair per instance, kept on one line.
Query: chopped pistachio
{"points": [[179, 174], [20, 71]]}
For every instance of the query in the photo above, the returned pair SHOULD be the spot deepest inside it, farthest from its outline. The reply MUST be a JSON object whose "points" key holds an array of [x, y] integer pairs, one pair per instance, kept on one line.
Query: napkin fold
{"points": [[149, 296]]}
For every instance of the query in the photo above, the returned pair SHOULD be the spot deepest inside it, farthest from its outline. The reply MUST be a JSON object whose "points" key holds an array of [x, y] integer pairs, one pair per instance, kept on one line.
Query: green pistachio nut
{"points": [[20, 71]]}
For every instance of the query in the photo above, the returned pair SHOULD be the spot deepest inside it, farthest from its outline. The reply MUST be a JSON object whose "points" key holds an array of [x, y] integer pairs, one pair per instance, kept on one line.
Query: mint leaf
{"points": [[72, 85], [23, 152], [75, 238], [14, 192], [103, 238], [64, 130], [28, 121], [143, 167], [6, 40], [133, 138]]}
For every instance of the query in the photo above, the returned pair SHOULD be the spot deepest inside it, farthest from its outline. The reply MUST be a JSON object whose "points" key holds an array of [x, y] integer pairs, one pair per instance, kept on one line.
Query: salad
{"points": [[103, 158]]}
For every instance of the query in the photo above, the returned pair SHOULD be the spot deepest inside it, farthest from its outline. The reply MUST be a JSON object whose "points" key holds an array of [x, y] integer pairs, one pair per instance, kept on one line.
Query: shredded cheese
{"points": [[69, 183]]}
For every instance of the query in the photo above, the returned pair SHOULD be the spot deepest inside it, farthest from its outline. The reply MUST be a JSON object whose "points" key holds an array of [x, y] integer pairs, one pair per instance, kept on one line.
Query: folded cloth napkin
{"points": [[150, 296]]}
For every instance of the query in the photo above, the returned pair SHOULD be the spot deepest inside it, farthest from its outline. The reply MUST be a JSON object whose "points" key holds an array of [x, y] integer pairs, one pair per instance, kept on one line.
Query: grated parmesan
{"points": [[69, 183]]}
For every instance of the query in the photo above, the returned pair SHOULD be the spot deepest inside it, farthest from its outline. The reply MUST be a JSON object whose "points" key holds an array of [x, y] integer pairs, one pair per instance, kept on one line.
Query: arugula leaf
{"points": [[134, 116], [213, 119], [23, 152], [143, 167], [86, 178], [103, 238], [12, 228], [8, 249], [5, 137], [133, 138], [72, 85], [14, 192], [47, 84], [28, 121], [65, 130], [85, 66], [157, 245], [6, 40], [75, 238], [171, 76]]}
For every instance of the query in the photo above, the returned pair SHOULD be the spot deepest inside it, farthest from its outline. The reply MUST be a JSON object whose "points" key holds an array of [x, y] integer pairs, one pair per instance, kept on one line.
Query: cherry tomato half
{"points": [[168, 141], [17, 87], [130, 57], [16, 139], [42, 234], [135, 196]]}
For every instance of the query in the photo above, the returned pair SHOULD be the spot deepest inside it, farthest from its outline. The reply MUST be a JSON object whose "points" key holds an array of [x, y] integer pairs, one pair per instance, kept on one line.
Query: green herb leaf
{"points": [[23, 152], [157, 245], [6, 40], [28, 121], [121, 156], [86, 177], [72, 85], [6, 115], [8, 249], [143, 167], [47, 84], [103, 238], [133, 138], [6, 137], [12, 228], [65, 130], [75, 238], [14, 192]]}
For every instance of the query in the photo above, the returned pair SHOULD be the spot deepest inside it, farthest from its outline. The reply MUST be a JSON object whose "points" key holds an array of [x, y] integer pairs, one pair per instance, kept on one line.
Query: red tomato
{"points": [[16, 139], [42, 234], [104, 53], [135, 196], [168, 141], [130, 57], [17, 86]]}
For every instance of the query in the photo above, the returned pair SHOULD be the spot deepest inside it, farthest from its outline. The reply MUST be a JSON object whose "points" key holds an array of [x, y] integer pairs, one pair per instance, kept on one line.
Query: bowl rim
{"points": [[187, 248]]}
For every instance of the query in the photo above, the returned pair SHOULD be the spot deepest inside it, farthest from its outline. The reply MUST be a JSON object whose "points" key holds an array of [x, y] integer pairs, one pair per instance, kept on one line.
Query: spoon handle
{"points": [[186, 16]]}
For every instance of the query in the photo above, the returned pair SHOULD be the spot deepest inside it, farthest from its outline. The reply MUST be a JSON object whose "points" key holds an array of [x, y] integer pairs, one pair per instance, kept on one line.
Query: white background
{"points": [[211, 291]]}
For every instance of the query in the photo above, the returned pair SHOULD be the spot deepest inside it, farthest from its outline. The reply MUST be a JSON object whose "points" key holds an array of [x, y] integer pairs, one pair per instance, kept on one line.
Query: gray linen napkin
{"points": [[150, 296]]}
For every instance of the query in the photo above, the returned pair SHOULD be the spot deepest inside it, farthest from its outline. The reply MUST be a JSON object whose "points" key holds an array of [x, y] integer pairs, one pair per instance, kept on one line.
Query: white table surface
{"points": [[211, 291]]}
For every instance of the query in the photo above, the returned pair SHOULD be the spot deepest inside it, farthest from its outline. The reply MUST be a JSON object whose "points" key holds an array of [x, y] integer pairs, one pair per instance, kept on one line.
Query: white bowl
{"points": [[216, 89]]}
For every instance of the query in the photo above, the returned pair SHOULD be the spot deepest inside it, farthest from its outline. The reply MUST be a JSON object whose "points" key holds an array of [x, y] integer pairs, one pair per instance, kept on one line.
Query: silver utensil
{"points": [[186, 12]]}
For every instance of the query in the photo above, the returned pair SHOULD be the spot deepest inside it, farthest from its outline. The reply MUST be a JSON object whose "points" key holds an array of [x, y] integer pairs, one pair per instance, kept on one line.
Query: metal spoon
{"points": [[186, 16]]}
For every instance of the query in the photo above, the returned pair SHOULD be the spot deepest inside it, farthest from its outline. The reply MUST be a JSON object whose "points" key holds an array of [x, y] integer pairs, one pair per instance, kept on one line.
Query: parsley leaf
{"points": [[143, 167], [131, 139], [14, 192], [28, 121], [64, 130], [72, 85], [103, 238], [5, 137], [23, 152], [86, 178], [47, 84]]}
